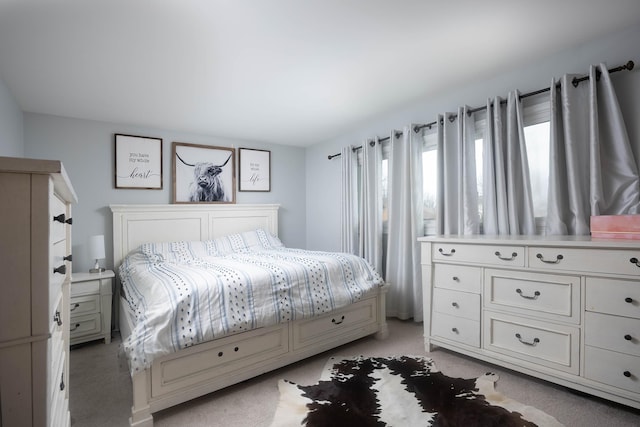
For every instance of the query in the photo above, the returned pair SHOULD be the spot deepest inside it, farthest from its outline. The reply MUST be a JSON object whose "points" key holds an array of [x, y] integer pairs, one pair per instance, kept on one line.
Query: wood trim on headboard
{"points": [[137, 224]]}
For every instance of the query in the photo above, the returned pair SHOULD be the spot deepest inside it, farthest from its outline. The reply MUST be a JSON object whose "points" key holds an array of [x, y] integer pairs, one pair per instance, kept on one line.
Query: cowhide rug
{"points": [[399, 391]]}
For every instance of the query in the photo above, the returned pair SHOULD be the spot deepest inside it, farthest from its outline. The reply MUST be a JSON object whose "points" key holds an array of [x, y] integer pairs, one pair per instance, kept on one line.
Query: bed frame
{"points": [[211, 366]]}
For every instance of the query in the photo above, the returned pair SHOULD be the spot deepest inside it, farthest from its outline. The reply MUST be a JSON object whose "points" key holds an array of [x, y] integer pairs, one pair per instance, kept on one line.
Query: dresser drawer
{"points": [[455, 303], [552, 345], [455, 328], [612, 368], [84, 305], [85, 325], [616, 333], [355, 316], [610, 261], [512, 256], [612, 296], [458, 277], [550, 296]]}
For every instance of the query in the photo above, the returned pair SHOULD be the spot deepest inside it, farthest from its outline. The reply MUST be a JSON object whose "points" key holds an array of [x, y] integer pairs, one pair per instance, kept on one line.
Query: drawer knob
{"points": [[547, 261], [61, 270], [455, 330], [60, 218], [69, 221], [337, 322], [627, 374], [533, 344], [76, 305], [535, 295], [220, 353], [62, 382], [504, 258], [629, 300], [635, 261], [456, 278], [628, 337], [455, 304], [236, 349], [57, 318], [77, 325], [451, 252]]}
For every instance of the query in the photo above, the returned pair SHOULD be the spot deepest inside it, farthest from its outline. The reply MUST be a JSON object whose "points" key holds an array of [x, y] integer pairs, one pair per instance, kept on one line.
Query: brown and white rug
{"points": [[399, 391]]}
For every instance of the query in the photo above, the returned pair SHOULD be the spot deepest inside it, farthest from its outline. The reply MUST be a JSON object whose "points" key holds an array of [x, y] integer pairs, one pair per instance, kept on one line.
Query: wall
{"points": [[87, 150], [323, 175], [11, 124]]}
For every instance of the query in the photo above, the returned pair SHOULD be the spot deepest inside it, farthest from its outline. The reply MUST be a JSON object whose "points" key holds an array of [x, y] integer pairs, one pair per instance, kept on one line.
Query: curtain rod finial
{"points": [[630, 65]]}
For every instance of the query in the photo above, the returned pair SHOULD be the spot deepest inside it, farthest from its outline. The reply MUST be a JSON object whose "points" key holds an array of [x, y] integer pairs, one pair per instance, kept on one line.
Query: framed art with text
{"points": [[203, 173], [138, 162], [255, 169]]}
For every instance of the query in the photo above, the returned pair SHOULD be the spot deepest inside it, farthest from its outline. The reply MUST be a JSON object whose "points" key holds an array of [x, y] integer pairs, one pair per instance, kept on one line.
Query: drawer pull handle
{"points": [[75, 327], [454, 330], [337, 322], [57, 318], [629, 300], [76, 305], [533, 344], [628, 337], [455, 304], [68, 258], [59, 218], [627, 374], [635, 261], [536, 294], [62, 269], [557, 260], [453, 251], [513, 256], [69, 221], [62, 382]]}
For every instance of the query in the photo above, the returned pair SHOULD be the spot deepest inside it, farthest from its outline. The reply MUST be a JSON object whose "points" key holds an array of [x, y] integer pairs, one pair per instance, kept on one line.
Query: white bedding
{"points": [[184, 293]]}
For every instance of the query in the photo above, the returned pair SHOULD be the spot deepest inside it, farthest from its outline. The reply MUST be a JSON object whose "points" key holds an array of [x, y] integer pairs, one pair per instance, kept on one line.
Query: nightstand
{"points": [[90, 306]]}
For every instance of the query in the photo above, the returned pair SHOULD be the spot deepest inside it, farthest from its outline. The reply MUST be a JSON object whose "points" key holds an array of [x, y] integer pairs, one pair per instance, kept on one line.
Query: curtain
{"points": [[405, 225], [349, 208], [592, 170], [370, 241], [508, 202], [457, 194]]}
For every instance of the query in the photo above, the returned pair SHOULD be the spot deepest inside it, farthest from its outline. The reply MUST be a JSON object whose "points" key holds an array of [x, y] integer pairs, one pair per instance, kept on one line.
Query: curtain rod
{"points": [[575, 82]]}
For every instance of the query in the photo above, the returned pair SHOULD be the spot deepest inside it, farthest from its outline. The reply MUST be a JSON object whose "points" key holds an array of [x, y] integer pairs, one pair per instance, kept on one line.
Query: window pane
{"points": [[537, 141]]}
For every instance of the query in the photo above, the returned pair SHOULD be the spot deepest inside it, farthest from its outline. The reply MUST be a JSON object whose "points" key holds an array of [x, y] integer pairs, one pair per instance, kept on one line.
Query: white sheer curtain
{"points": [[508, 202], [457, 194], [592, 170], [349, 207], [370, 241], [405, 225]]}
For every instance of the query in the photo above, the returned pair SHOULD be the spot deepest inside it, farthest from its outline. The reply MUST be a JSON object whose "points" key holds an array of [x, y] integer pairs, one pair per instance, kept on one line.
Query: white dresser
{"points": [[35, 241], [564, 309]]}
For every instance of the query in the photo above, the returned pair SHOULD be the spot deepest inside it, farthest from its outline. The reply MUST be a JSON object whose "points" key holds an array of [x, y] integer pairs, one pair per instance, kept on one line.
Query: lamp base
{"points": [[96, 270]]}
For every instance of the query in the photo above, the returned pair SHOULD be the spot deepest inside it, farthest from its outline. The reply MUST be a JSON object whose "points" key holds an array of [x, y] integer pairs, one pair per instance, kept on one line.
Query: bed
{"points": [[195, 370]]}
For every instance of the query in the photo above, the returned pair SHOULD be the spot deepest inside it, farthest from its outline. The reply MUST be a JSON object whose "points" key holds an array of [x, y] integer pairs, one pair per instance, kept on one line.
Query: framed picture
{"points": [[203, 174], [255, 170], [138, 162]]}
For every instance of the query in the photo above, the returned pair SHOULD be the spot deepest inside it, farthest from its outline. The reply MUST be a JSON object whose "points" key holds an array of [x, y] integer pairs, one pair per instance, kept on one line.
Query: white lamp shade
{"points": [[96, 247]]}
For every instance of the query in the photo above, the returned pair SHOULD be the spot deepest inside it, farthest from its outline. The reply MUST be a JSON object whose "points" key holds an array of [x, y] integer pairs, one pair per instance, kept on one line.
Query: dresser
{"points": [[90, 307], [565, 308], [35, 242]]}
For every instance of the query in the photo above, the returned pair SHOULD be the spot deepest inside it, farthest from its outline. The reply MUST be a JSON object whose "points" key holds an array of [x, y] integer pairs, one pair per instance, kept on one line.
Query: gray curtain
{"points": [[405, 225], [508, 203], [370, 241], [349, 199], [457, 194], [592, 170]]}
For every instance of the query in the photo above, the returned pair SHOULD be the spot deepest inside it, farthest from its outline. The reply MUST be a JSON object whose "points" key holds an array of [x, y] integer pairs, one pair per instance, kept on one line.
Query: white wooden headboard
{"points": [[137, 224]]}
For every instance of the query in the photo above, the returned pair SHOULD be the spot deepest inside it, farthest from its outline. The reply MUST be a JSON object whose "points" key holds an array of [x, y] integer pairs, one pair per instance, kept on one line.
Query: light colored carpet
{"points": [[100, 389]]}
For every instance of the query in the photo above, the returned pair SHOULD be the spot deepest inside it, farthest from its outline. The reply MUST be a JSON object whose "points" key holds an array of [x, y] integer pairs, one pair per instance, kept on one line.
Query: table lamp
{"points": [[96, 251]]}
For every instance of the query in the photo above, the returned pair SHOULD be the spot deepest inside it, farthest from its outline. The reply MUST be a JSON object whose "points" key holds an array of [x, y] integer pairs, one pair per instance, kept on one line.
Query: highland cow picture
{"points": [[203, 174]]}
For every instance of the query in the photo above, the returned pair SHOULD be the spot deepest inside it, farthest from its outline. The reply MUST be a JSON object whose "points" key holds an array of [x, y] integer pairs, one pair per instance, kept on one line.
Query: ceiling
{"points": [[276, 71]]}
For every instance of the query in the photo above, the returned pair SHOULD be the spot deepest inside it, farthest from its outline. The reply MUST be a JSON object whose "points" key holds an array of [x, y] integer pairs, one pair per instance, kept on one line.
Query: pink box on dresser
{"points": [[615, 227]]}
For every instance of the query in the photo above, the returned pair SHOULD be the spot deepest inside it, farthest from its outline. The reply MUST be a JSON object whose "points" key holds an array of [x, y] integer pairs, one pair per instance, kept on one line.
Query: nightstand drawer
{"points": [[84, 305], [85, 325], [83, 288]]}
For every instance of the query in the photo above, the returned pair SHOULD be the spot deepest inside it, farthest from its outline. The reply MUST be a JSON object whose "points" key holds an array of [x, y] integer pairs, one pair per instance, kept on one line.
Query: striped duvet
{"points": [[185, 293]]}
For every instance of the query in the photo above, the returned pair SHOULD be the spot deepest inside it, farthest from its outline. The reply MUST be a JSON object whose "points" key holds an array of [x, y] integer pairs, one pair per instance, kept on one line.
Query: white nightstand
{"points": [[90, 306]]}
